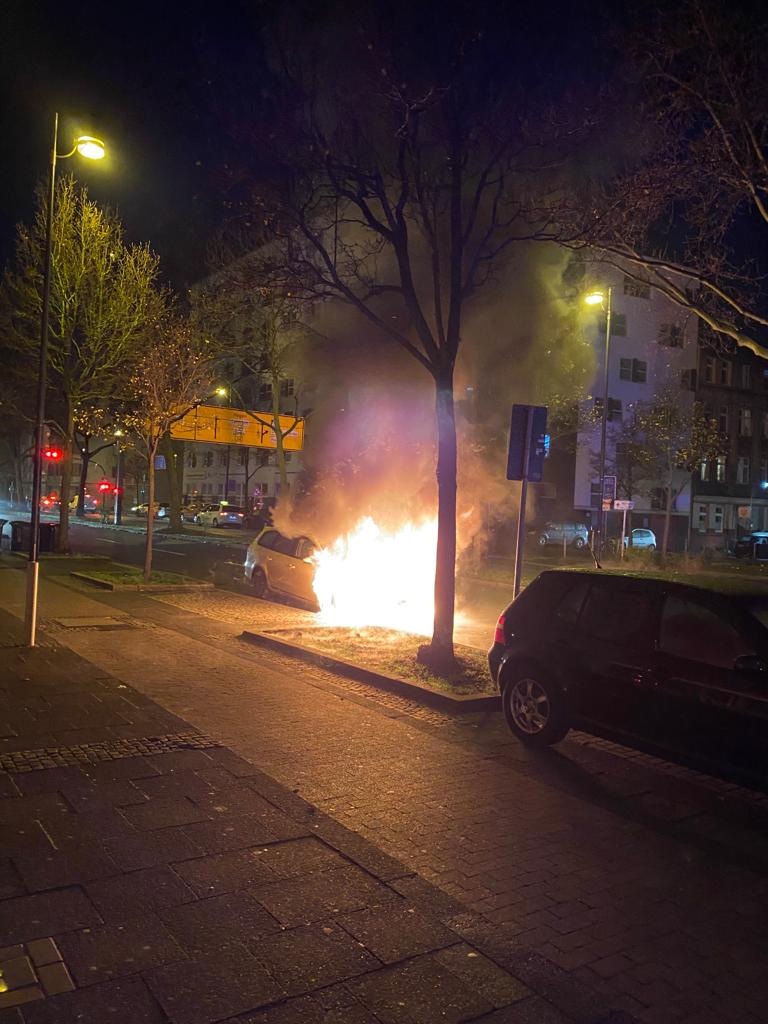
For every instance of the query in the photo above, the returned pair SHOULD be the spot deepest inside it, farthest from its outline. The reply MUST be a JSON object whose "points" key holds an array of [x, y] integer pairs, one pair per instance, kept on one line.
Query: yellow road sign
{"points": [[214, 425]]}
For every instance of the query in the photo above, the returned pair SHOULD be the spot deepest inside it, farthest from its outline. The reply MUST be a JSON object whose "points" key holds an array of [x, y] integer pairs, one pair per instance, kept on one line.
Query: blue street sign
{"points": [[538, 446]]}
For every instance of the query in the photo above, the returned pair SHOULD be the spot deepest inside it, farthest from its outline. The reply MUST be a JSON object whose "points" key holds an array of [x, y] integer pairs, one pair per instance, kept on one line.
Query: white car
{"points": [[281, 565], [222, 513], [642, 539]]}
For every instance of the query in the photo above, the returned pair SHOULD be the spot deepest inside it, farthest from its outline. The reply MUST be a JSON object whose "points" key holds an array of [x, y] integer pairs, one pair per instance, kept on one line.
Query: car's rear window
{"points": [[232, 508], [533, 606], [267, 540]]}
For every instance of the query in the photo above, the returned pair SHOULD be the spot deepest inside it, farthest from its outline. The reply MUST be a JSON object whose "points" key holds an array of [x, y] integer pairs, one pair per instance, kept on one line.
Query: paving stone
{"points": [[436, 901], [225, 872], [478, 972], [17, 972], [91, 826], [213, 987], [8, 787], [138, 767], [20, 809], [163, 812], [111, 793], [236, 918], [20, 996], [176, 784], [150, 849], [305, 900], [111, 951], [304, 959], [308, 1010], [396, 932], [138, 892], [43, 951], [73, 864], [33, 917], [55, 979], [363, 852], [417, 991], [237, 832], [9, 952], [181, 760], [534, 1010], [124, 1001], [10, 882], [301, 857]]}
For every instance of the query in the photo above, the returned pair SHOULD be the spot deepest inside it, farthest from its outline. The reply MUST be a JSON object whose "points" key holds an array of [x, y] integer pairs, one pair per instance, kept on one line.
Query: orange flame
{"points": [[372, 577]]}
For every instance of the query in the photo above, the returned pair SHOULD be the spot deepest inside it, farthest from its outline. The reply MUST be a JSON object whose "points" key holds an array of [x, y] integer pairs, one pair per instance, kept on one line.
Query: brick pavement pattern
{"points": [[183, 885], [599, 873]]}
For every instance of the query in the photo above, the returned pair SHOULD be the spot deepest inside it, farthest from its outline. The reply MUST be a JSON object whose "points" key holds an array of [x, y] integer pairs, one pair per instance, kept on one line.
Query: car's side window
{"points": [[285, 545], [692, 630], [268, 539], [567, 611], [305, 548], [620, 614]]}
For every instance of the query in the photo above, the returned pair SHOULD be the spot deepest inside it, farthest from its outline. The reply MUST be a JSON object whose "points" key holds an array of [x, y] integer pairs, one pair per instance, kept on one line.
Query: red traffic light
{"points": [[105, 485], [117, 491], [53, 453]]}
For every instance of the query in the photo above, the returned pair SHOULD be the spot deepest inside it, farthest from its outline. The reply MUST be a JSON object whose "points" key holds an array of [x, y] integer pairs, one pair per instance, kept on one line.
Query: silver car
{"points": [[575, 534], [281, 565]]}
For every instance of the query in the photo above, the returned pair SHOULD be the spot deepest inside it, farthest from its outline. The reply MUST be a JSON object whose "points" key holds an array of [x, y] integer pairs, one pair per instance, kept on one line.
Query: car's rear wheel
{"points": [[543, 541], [534, 709], [215, 522], [579, 543], [259, 583], [651, 547]]}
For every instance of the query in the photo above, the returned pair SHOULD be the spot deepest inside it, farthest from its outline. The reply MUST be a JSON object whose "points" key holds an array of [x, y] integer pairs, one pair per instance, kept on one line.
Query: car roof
{"points": [[735, 587]]}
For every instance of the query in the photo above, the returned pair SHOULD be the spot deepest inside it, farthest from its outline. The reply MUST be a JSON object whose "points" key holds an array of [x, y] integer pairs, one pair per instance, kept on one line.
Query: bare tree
{"points": [[90, 422], [398, 193], [169, 378], [686, 207], [104, 294]]}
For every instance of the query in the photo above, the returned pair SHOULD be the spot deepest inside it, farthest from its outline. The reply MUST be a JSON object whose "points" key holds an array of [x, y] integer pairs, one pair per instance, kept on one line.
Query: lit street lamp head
{"points": [[594, 298], [90, 147], [221, 392]]}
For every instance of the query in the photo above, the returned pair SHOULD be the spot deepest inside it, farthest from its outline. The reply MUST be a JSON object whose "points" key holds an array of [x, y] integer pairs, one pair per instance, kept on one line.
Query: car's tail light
{"points": [[241, 515], [498, 636]]}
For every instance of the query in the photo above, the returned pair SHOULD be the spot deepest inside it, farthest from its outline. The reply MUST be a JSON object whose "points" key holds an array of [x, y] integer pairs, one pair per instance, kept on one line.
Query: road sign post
{"points": [[528, 445], [623, 507]]}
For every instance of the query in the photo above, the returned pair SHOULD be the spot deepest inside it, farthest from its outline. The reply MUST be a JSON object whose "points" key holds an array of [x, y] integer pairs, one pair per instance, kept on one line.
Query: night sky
{"points": [[158, 83], [149, 79]]}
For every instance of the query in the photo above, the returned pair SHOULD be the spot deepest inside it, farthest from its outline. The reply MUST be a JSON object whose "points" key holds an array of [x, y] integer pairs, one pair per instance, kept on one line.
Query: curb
{"points": [[53, 556], [459, 704], [157, 588]]}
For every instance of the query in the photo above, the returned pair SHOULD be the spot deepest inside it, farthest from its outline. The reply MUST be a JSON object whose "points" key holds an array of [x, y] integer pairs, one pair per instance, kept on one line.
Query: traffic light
{"points": [[105, 485], [117, 491], [53, 454]]}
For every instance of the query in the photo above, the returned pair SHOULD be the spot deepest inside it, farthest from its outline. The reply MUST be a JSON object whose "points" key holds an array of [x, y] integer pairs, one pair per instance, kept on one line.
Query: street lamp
{"points": [[600, 298], [92, 149], [118, 485]]}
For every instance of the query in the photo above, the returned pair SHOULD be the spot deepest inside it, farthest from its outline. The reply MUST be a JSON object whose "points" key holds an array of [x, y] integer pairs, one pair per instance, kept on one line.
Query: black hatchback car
{"points": [[682, 668]]}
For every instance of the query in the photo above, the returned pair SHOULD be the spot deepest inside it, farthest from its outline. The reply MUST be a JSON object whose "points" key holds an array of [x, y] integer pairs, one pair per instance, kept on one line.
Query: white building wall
{"points": [[644, 323]]}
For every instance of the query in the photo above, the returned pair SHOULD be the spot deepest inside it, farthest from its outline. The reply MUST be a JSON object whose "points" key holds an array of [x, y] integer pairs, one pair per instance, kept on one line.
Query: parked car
{"points": [[189, 512], [642, 539], [753, 545], [162, 509], [666, 666], [282, 565], [221, 513], [575, 534]]}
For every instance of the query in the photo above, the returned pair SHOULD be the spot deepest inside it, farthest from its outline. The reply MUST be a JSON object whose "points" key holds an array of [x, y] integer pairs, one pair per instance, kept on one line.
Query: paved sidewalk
{"points": [[149, 875]]}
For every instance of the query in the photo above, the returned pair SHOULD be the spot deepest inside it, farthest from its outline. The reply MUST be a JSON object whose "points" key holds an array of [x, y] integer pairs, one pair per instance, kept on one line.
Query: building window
{"points": [[701, 518], [709, 370], [704, 470], [637, 289], [746, 375], [614, 409], [717, 518], [618, 325], [742, 470], [242, 457], [722, 419], [287, 456], [222, 459], [725, 373], [286, 388], [633, 369], [720, 468], [688, 380], [763, 470], [594, 494], [745, 422], [208, 459], [671, 335]]}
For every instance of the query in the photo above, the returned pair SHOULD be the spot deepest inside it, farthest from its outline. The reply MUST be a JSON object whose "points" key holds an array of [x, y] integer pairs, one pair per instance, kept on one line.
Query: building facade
{"points": [[653, 351]]}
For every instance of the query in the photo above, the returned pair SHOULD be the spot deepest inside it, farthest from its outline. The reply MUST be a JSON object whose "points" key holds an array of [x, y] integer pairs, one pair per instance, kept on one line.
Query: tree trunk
{"points": [[174, 460], [85, 455], [66, 480], [439, 652], [667, 519], [150, 512], [282, 470]]}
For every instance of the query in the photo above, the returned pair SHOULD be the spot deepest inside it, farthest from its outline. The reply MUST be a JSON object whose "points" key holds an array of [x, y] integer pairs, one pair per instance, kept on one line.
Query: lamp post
{"points": [[92, 149], [599, 298], [118, 484]]}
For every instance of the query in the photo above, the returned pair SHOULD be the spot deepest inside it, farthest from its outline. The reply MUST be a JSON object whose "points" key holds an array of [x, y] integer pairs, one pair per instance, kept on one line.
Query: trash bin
{"points": [[48, 535], [21, 532]]}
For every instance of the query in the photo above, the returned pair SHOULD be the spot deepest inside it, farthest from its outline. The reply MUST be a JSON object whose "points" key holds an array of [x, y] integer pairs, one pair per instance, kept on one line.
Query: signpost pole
{"points": [[623, 532], [521, 510]]}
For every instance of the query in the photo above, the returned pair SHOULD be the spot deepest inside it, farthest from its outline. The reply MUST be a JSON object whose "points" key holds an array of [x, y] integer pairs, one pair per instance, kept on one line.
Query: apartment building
{"points": [[653, 349], [731, 491]]}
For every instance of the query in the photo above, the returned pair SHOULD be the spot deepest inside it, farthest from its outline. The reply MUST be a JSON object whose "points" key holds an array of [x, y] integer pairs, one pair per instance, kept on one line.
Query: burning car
{"points": [[282, 565]]}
